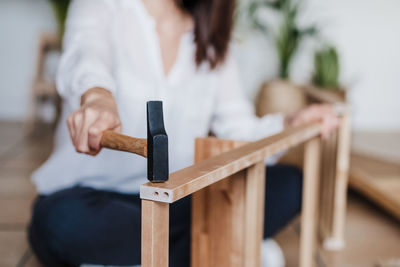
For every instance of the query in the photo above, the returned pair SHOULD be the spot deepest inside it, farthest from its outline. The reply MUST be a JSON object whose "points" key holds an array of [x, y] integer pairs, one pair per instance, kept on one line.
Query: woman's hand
{"points": [[323, 113], [98, 112]]}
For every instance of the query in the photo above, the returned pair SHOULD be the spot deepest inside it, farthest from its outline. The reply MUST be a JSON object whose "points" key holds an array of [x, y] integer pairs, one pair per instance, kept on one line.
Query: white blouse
{"points": [[114, 44]]}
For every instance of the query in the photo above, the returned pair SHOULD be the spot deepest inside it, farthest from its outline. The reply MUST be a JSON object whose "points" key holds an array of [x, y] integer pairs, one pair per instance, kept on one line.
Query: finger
{"points": [[297, 118], [104, 122], [303, 117], [325, 108], [313, 113], [89, 117], [77, 125], [333, 124], [324, 127], [93, 153], [118, 128], [333, 121], [71, 127], [95, 134], [330, 123]]}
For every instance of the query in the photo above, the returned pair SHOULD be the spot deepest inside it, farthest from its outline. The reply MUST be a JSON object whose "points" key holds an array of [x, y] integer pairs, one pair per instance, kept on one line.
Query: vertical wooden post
{"points": [[199, 255], [155, 233], [214, 242], [327, 185], [334, 181], [218, 213], [336, 240], [228, 217], [254, 221], [310, 201]]}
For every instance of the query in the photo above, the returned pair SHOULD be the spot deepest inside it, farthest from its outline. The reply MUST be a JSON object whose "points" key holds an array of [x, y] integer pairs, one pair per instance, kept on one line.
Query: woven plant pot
{"points": [[279, 96]]}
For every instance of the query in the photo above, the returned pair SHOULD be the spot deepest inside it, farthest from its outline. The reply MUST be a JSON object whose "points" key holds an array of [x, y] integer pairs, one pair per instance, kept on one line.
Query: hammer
{"points": [[154, 148]]}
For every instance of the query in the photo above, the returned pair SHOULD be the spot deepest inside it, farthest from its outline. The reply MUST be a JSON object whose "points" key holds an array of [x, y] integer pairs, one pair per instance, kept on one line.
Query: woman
{"points": [[118, 54]]}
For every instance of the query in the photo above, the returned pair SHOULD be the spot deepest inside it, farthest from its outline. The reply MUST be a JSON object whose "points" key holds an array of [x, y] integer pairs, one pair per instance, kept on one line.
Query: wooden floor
{"points": [[384, 146], [372, 235], [377, 179]]}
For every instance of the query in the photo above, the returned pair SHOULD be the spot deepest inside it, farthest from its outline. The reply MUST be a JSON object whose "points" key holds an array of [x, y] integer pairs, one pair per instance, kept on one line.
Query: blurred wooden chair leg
{"points": [[308, 232], [334, 185]]}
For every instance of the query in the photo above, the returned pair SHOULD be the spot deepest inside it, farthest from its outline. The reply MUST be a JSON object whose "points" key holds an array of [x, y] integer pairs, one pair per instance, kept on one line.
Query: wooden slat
{"points": [[238, 200], [336, 239], [189, 180], [218, 213], [219, 234], [310, 202], [327, 188], [228, 216], [200, 255], [211, 146], [228, 220], [254, 220], [155, 227]]}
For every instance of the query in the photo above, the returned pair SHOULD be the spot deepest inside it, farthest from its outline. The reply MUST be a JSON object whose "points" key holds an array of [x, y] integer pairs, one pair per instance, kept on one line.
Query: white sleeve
{"points": [[86, 61], [234, 115]]}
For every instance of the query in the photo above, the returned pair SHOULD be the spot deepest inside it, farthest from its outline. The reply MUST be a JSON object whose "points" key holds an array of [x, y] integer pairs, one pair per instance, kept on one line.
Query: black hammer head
{"points": [[157, 144]]}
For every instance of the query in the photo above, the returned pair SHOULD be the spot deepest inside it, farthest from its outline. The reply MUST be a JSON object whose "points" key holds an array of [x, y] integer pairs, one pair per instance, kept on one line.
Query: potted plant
{"points": [[281, 95], [326, 72]]}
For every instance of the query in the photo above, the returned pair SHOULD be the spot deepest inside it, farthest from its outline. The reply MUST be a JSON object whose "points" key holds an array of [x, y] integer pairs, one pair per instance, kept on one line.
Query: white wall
{"points": [[367, 33], [21, 22]]}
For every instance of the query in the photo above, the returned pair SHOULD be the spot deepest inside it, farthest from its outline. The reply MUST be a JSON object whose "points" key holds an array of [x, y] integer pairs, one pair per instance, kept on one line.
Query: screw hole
{"points": [[166, 194], [156, 193]]}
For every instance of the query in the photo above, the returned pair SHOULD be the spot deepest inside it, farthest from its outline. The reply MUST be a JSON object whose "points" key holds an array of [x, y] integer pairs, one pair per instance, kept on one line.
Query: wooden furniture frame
{"points": [[42, 89], [335, 160], [230, 187]]}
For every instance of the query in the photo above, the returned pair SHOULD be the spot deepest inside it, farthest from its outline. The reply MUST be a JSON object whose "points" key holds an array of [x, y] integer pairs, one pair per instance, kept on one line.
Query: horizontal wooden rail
{"points": [[196, 177]]}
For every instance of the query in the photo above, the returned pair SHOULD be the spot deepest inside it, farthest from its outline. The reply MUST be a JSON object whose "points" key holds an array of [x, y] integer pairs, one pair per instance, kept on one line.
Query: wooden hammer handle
{"points": [[117, 141]]}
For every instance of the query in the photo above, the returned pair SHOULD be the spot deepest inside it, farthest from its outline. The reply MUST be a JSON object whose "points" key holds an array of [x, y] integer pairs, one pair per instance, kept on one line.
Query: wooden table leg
{"points": [[155, 233], [310, 202]]}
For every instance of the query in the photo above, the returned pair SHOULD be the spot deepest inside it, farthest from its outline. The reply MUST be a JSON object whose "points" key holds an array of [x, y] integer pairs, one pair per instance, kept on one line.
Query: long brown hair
{"points": [[213, 20]]}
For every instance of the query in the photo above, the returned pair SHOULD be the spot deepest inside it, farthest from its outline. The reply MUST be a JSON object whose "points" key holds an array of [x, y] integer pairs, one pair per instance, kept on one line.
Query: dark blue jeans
{"points": [[83, 225]]}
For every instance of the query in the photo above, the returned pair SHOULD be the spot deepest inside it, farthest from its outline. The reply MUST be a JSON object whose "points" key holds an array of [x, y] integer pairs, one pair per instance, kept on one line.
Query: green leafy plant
{"points": [[255, 5], [289, 36], [326, 68], [60, 8]]}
